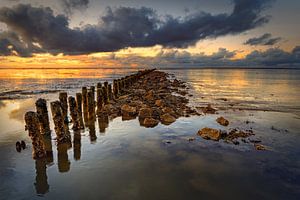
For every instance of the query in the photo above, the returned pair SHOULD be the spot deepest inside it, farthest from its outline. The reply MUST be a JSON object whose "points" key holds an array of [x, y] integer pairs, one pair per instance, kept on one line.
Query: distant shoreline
{"points": [[160, 68]]}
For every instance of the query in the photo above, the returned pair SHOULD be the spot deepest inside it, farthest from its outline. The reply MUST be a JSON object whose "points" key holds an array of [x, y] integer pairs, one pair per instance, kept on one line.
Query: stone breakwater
{"points": [[147, 95]]}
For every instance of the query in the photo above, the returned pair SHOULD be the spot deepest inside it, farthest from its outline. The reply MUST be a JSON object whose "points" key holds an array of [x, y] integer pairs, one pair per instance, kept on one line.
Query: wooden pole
{"points": [[79, 109], [74, 113], [42, 112], [33, 127]]}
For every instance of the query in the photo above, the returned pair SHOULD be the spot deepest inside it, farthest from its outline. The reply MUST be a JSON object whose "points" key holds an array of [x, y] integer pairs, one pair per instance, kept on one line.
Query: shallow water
{"points": [[132, 162]]}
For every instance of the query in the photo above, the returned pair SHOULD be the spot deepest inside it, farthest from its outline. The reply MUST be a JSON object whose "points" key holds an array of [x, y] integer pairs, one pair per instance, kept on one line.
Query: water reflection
{"points": [[62, 157], [41, 179], [48, 147], [77, 145], [102, 123]]}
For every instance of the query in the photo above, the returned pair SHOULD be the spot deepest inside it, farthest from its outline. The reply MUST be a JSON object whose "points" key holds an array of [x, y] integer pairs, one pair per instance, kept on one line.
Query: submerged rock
{"points": [[128, 111], [167, 119], [259, 147], [210, 134], [145, 113], [209, 110], [150, 122], [223, 121]]}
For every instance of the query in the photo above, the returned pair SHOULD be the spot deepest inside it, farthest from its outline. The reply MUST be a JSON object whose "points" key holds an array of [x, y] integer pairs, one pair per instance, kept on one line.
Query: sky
{"points": [[156, 33]]}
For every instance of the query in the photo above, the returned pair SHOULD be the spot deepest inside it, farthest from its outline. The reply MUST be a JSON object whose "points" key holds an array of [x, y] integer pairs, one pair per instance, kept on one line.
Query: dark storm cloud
{"points": [[128, 27], [70, 5], [275, 56], [11, 44], [265, 39], [270, 57]]}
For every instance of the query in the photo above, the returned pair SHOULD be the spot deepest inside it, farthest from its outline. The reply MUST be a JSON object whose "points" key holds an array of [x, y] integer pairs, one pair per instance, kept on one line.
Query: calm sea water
{"points": [[127, 161]]}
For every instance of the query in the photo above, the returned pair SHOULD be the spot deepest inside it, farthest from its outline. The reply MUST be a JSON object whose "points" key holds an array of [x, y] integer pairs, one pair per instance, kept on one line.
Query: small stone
{"points": [[210, 134], [145, 113], [150, 122], [167, 119], [150, 95], [18, 146], [191, 139], [209, 110], [223, 121], [128, 111], [159, 103], [23, 144], [259, 147]]}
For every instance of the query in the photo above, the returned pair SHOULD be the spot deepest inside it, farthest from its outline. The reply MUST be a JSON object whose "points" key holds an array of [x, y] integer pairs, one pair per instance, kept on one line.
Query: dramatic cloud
{"points": [[11, 44], [69, 5], [169, 58], [265, 39], [128, 27]]}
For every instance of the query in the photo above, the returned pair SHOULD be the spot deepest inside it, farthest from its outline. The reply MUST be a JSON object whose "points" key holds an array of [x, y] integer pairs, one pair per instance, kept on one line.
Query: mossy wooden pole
{"points": [[33, 127], [99, 99], [62, 135], [77, 145], [79, 109], [63, 98], [109, 91], [84, 104], [91, 106], [42, 112], [74, 113]]}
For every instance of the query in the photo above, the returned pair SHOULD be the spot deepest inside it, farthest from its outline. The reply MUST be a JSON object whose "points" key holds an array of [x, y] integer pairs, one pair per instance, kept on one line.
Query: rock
{"points": [[23, 144], [128, 111], [145, 113], [150, 122], [223, 121], [150, 95], [167, 119], [209, 110], [191, 139], [210, 134], [18, 146], [169, 111], [259, 147], [159, 103]]}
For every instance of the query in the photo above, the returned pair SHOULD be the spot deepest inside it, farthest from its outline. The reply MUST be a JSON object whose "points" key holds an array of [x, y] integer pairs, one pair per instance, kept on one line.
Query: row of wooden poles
{"points": [[82, 111]]}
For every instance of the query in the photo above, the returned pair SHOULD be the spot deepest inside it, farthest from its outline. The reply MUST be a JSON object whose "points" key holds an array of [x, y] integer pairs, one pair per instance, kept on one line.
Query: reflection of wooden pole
{"points": [[62, 157], [32, 125], [79, 109], [42, 112], [74, 113], [92, 131], [103, 122], [62, 135], [48, 147], [77, 145], [41, 182]]}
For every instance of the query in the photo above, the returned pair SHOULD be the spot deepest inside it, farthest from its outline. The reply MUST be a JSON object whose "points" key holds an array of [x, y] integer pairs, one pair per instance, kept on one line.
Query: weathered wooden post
{"points": [[91, 106], [109, 91], [33, 127], [63, 98], [104, 95], [84, 103], [42, 112], [77, 145], [62, 157], [115, 89], [74, 113], [48, 147], [99, 99], [79, 109], [62, 135], [41, 182]]}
